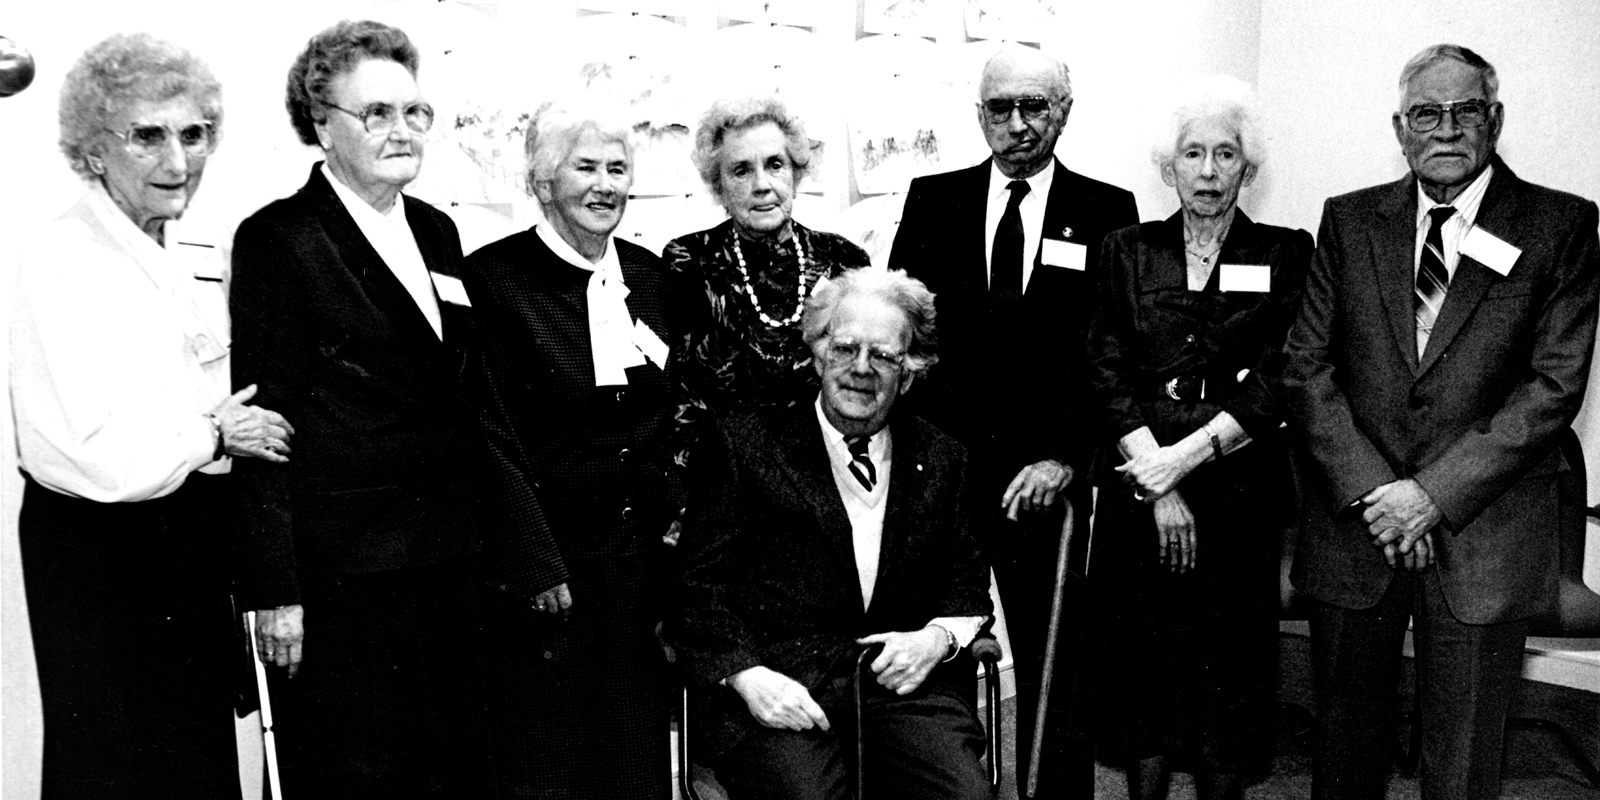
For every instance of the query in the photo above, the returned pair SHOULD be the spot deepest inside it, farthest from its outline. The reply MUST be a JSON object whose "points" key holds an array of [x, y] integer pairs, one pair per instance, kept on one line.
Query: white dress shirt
{"points": [[611, 328], [119, 347], [391, 236], [1456, 227], [1031, 209], [865, 509]]}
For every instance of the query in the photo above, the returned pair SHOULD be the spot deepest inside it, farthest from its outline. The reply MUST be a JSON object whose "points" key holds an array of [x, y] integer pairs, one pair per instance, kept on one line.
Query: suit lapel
{"points": [[975, 278], [1394, 245], [805, 459], [1060, 209], [383, 290], [902, 515], [1472, 279], [1163, 267]]}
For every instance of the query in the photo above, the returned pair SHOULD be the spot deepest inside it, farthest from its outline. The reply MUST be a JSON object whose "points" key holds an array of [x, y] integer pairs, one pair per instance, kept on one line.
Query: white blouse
{"points": [[119, 347]]}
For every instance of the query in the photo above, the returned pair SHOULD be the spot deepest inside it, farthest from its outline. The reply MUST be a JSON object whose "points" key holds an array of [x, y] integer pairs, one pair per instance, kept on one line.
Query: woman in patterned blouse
{"points": [[738, 288]]}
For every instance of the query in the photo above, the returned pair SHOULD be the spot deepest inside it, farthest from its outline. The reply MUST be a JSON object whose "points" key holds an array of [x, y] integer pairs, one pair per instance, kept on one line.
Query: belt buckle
{"points": [[1186, 389]]}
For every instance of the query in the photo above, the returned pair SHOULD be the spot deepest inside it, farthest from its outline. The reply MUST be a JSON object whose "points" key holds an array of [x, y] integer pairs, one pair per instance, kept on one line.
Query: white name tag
{"points": [[649, 343], [450, 289], [203, 259], [1490, 250], [1246, 278], [1057, 253]]}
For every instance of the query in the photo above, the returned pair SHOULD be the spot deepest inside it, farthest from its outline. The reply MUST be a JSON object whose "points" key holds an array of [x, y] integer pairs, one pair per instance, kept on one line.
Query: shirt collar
{"points": [[838, 449], [608, 263], [363, 211], [1466, 204], [1038, 185]]}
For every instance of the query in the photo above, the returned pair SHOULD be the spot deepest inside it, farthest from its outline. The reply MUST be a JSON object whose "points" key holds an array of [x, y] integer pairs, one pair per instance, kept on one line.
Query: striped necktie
{"points": [[860, 465], [1433, 280]]}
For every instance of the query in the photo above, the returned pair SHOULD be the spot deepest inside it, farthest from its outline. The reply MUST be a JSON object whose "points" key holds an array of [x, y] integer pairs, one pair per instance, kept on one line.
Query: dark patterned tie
{"points": [[860, 465], [1433, 280], [1005, 259]]}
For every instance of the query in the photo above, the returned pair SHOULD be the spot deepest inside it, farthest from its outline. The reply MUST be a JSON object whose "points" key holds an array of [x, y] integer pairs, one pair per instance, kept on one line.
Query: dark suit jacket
{"points": [[1013, 386], [377, 478], [1476, 421], [1150, 328], [576, 470], [769, 572]]}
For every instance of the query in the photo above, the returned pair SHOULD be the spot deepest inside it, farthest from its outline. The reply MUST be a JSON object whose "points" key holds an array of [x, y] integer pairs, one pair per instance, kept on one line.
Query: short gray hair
{"points": [[122, 69], [892, 286], [335, 51], [1060, 76], [1433, 54], [1211, 96], [555, 127], [730, 115]]}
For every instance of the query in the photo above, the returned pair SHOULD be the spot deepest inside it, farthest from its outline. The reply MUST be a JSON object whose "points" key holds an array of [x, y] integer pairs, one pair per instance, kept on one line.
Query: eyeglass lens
{"points": [[847, 351], [1031, 108], [1468, 114], [195, 138], [380, 117]]}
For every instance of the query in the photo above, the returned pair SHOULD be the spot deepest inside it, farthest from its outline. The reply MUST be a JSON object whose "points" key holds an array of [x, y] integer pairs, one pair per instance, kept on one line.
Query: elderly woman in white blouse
{"points": [[125, 426]]}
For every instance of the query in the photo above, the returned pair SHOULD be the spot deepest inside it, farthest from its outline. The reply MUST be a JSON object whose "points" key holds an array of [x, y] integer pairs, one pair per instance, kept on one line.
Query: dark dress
{"points": [[580, 490], [727, 358], [1191, 658], [369, 526]]}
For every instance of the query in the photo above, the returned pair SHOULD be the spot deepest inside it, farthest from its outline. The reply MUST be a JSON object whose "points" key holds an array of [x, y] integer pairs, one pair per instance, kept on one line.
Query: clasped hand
{"points": [[280, 636], [1155, 473], [1399, 517]]}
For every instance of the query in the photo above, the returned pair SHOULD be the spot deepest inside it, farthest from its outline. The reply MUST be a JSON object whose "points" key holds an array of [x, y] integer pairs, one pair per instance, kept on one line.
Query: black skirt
{"points": [[134, 636], [1188, 663]]}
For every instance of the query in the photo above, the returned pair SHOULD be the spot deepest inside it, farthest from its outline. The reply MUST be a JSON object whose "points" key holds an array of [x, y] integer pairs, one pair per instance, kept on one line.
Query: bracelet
{"points": [[1216, 443], [950, 642], [216, 433]]}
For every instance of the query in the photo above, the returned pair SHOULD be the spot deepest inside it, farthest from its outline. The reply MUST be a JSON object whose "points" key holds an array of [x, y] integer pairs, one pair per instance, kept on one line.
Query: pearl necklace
{"points": [[800, 292]]}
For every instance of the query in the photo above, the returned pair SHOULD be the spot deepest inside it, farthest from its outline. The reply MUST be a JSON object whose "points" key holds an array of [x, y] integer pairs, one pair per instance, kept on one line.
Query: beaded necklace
{"points": [[800, 292]]}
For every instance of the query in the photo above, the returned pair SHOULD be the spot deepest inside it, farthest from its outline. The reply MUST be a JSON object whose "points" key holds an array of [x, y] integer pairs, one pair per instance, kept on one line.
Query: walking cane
{"points": [[268, 743], [1050, 653]]}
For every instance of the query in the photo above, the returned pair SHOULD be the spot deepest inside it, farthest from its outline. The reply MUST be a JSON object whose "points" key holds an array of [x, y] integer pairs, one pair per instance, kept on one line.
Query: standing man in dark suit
{"points": [[818, 529], [349, 311], [1010, 249], [1440, 354]]}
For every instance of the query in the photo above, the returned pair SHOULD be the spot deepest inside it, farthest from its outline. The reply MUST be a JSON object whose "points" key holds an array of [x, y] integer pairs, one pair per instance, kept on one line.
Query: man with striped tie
{"points": [[816, 530], [1440, 355]]}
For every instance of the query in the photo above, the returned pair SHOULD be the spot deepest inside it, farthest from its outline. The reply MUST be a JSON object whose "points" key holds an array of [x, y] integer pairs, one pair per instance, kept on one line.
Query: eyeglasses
{"points": [[1424, 117], [847, 352], [144, 140], [383, 117], [999, 110]]}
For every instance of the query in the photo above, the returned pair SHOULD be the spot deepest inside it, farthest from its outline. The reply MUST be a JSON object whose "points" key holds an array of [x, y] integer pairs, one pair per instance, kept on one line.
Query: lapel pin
{"points": [[919, 467], [1066, 233]]}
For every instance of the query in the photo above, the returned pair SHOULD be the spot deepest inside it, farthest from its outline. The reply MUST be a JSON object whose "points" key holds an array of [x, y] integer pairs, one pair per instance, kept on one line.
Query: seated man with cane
{"points": [[814, 532]]}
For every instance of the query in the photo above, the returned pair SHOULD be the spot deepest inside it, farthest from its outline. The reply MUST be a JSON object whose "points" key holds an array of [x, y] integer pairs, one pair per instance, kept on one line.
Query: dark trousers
{"points": [[135, 641], [1023, 555], [1465, 676], [923, 746], [389, 700]]}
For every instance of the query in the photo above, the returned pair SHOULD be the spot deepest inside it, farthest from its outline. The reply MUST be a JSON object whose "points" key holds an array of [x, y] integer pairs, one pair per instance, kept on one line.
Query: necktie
{"points": [[860, 465], [1005, 259], [1432, 278]]}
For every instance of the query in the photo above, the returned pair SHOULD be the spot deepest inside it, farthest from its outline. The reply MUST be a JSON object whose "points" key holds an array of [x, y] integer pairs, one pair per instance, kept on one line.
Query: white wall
{"points": [[1326, 72]]}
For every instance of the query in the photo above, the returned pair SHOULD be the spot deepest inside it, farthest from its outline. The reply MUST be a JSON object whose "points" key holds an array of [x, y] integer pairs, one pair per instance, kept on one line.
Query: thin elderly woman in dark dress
{"points": [[127, 431], [349, 312], [576, 405], [1193, 486], [738, 289]]}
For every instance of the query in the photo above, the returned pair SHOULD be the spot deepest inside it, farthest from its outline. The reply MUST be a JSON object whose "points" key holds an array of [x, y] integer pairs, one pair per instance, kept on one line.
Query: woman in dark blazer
{"points": [[577, 407], [349, 312], [1193, 473]]}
